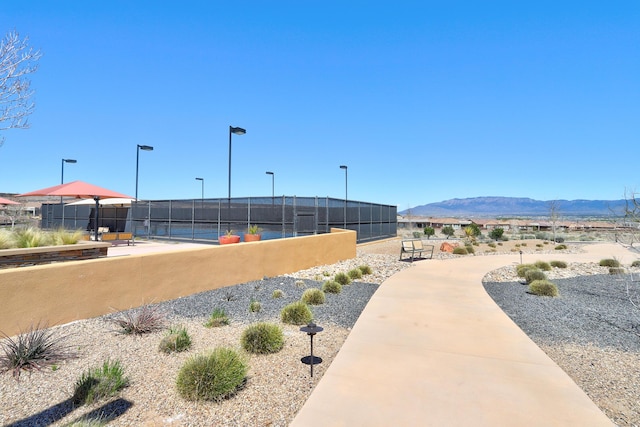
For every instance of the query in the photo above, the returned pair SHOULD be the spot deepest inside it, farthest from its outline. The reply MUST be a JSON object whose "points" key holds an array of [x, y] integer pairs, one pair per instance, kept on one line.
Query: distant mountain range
{"points": [[491, 207]]}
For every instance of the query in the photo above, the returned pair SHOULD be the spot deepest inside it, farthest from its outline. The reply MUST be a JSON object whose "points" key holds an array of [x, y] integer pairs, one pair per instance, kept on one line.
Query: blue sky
{"points": [[423, 101]]}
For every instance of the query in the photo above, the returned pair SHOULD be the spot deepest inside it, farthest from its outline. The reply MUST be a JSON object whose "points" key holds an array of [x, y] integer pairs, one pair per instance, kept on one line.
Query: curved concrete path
{"points": [[432, 349]]}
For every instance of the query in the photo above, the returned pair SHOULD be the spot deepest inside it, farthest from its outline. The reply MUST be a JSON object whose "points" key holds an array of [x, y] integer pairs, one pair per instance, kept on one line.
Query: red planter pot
{"points": [[252, 237], [225, 240]]}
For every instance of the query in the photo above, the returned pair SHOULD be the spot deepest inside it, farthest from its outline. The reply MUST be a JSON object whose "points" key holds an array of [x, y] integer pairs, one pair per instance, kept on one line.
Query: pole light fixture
{"points": [[346, 187], [202, 182], [273, 179], [237, 131], [138, 148], [62, 182]]}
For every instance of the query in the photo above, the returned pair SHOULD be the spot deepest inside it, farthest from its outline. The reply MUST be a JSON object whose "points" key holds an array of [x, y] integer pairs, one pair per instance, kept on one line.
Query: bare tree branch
{"points": [[17, 62]]}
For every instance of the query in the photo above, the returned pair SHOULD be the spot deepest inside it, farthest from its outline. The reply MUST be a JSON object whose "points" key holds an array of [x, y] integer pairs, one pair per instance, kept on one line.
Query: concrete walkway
{"points": [[432, 349]]}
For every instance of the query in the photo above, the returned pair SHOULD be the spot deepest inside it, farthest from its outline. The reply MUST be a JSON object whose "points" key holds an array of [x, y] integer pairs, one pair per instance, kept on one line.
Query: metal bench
{"points": [[415, 248]]}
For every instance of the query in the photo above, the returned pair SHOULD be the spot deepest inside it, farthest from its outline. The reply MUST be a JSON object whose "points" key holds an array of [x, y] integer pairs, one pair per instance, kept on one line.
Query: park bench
{"points": [[115, 237], [415, 248]]}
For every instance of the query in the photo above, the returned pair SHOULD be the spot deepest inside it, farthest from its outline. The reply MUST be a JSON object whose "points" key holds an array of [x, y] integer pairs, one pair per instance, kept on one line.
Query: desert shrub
{"points": [[296, 313], [140, 321], [342, 278], [491, 245], [416, 234], [213, 376], [543, 265], [331, 287], [524, 244], [255, 306], [521, 269], [559, 239], [30, 238], [300, 283], [177, 339], [560, 247], [534, 274], [365, 269], [460, 251], [558, 264], [500, 244], [470, 249], [609, 262], [543, 288], [277, 293], [636, 263], [262, 338], [34, 349], [354, 274], [6, 239], [217, 318], [539, 245], [65, 237], [616, 270], [100, 383], [313, 296]]}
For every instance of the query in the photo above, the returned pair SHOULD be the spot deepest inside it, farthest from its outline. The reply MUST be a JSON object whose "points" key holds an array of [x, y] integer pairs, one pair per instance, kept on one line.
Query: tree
{"points": [[496, 233], [429, 231], [448, 231], [17, 62]]}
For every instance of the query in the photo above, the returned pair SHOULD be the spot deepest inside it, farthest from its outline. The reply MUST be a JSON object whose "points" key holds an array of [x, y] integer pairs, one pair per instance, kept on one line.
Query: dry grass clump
{"points": [[262, 338], [296, 313], [217, 318], [176, 340], [331, 287], [313, 296], [543, 288], [100, 383], [144, 320]]}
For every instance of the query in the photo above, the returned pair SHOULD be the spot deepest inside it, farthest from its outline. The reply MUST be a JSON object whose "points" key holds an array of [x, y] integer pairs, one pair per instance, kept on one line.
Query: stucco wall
{"points": [[64, 292]]}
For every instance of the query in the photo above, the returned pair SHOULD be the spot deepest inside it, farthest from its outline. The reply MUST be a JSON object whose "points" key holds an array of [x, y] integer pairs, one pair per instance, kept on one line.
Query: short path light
{"points": [[311, 329]]}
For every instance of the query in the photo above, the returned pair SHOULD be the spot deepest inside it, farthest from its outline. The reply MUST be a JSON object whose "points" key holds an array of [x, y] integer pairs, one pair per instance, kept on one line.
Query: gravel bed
{"points": [[592, 331]]}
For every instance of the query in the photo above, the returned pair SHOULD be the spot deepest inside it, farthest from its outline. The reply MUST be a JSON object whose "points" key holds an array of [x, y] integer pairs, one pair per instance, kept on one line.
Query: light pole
{"points": [[237, 131], [202, 195], [345, 194], [273, 179], [62, 182], [138, 148]]}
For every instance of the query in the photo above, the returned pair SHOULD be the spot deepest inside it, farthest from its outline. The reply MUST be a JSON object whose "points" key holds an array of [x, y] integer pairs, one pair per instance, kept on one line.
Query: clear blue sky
{"points": [[423, 101]]}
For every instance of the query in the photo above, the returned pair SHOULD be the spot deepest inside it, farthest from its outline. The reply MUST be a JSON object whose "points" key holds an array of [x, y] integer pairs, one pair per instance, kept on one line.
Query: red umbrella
{"points": [[4, 201], [80, 190]]}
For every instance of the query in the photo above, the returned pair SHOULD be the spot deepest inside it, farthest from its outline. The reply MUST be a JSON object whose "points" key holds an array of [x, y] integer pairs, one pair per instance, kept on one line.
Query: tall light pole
{"points": [[62, 182], [143, 148], [237, 131], [345, 194], [202, 182], [273, 179]]}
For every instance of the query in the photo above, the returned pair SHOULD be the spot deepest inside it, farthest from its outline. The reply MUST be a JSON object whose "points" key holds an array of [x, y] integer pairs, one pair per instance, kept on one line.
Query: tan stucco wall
{"points": [[60, 293]]}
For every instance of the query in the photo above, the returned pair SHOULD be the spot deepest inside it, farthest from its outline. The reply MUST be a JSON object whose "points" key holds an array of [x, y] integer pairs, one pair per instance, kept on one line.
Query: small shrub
{"points": [[214, 376], [543, 288], [559, 239], [255, 306], [616, 270], [491, 245], [460, 251], [140, 321], [313, 296], [331, 287], [100, 383], [470, 249], [365, 269], [539, 245], [177, 339], [296, 313], [560, 247], [277, 294], [543, 265], [300, 283], [558, 264], [217, 318], [262, 338], [636, 263], [34, 349], [342, 278], [521, 269], [417, 234], [354, 274], [534, 274], [500, 244], [524, 244], [609, 262]]}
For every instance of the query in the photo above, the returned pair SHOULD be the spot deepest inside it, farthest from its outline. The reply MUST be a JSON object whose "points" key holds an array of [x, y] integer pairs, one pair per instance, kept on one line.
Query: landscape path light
{"points": [[311, 329]]}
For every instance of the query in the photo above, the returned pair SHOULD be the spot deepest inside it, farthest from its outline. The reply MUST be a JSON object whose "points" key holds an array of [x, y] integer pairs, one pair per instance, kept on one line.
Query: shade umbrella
{"points": [[80, 190], [4, 201], [104, 202]]}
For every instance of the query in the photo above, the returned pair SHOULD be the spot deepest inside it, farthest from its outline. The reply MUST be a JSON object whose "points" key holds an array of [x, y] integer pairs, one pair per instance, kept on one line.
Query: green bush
{"points": [[616, 270], [491, 245], [543, 288], [365, 269], [560, 247], [609, 262], [296, 313], [140, 321], [354, 274], [34, 349], [177, 339], [416, 234], [313, 296], [460, 251], [277, 293], [255, 306], [217, 318], [213, 376], [470, 249], [558, 264], [534, 274], [300, 284], [543, 265], [331, 287], [262, 338], [521, 269], [342, 278], [636, 263], [100, 383]]}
